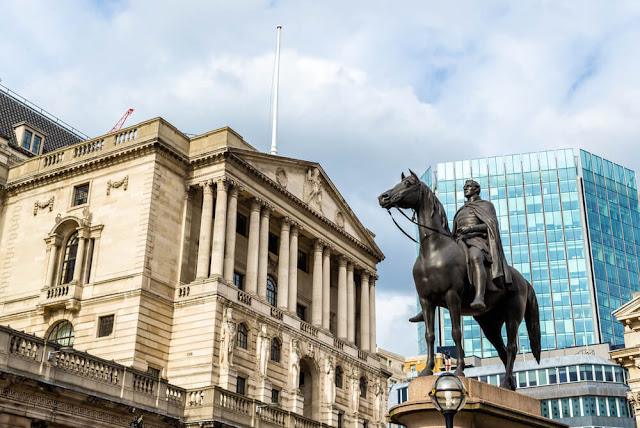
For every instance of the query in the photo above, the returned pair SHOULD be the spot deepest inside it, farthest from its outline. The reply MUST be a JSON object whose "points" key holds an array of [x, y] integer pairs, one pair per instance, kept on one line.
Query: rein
{"points": [[414, 222]]}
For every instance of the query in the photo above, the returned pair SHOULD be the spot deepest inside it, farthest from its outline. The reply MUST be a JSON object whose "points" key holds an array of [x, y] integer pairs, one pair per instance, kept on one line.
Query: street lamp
{"points": [[448, 395]]}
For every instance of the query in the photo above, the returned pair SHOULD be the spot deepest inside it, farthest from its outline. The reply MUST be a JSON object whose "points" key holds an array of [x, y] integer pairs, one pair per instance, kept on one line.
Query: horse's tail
{"points": [[532, 319]]}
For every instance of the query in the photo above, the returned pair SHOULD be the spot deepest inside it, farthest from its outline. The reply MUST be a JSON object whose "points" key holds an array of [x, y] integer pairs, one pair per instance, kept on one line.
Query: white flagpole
{"points": [[274, 130]]}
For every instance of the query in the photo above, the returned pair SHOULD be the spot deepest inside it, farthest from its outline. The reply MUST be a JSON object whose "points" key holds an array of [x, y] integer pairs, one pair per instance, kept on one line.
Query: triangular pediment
{"points": [[629, 309], [308, 182]]}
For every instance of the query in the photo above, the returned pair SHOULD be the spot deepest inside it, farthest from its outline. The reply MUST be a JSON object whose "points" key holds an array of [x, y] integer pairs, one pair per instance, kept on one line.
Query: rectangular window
{"points": [[553, 376], [573, 374], [80, 194], [275, 396], [273, 243], [240, 385], [26, 139], [105, 325], [153, 372], [238, 280], [241, 225], [37, 140], [302, 261], [301, 311]]}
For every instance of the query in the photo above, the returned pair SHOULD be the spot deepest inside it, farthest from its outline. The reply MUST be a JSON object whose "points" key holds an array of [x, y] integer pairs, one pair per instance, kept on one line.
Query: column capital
{"points": [[188, 192], [53, 239], [327, 250], [207, 186], [365, 275], [342, 260], [233, 192], [318, 244], [256, 204], [350, 265], [286, 221], [223, 183], [295, 229], [266, 210], [83, 232]]}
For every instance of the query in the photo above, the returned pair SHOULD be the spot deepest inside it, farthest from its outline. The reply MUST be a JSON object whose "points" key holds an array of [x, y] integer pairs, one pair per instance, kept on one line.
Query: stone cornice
{"points": [[232, 157]]}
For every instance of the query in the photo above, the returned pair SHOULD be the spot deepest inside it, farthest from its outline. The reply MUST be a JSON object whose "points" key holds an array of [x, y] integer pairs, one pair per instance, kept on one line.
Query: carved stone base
{"points": [[263, 390], [228, 378], [329, 415], [352, 420], [296, 402]]}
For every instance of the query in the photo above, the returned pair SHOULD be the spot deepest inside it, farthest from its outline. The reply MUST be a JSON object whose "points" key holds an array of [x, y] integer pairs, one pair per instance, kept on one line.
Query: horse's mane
{"points": [[436, 207]]}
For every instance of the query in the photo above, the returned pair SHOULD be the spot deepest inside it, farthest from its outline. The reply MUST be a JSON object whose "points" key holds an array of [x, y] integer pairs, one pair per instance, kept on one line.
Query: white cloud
{"points": [[394, 332]]}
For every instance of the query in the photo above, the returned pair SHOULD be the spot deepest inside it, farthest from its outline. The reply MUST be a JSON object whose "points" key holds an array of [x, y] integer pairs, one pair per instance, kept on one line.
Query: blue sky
{"points": [[368, 88]]}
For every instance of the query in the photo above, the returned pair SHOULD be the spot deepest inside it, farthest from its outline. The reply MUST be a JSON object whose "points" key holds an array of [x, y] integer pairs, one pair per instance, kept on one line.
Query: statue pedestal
{"points": [[329, 415], [228, 378], [263, 389], [487, 407], [296, 402]]}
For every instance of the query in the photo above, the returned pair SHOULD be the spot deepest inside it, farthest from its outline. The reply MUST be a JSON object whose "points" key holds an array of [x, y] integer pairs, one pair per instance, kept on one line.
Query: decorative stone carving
{"points": [[86, 216], [227, 339], [124, 183], [272, 265], [633, 397], [339, 219], [354, 380], [378, 407], [281, 177], [312, 189], [262, 350], [294, 364], [42, 205], [329, 382]]}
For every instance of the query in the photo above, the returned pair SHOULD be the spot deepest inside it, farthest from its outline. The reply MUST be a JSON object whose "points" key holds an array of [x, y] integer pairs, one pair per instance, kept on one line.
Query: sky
{"points": [[367, 88]]}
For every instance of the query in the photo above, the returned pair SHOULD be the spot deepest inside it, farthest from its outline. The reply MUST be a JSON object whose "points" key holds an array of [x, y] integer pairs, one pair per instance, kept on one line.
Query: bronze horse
{"points": [[440, 275]]}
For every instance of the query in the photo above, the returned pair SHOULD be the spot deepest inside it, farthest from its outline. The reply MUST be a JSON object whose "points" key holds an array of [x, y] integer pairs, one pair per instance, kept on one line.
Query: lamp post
{"points": [[448, 395]]}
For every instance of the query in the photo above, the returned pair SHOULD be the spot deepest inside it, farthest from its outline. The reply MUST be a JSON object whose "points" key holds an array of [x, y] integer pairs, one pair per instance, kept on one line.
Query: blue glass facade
{"points": [[550, 224]]}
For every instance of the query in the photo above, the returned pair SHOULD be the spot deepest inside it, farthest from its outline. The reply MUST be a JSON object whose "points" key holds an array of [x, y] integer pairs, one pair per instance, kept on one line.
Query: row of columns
{"points": [[217, 249]]}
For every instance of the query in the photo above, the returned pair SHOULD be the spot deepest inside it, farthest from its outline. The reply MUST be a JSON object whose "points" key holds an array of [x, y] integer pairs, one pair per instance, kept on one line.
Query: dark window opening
{"points": [[301, 311], [238, 280], [301, 381], [275, 396], [105, 325], [303, 261], [275, 350], [272, 291], [242, 336], [26, 139], [69, 261], [62, 334], [339, 377], [153, 372], [80, 194], [363, 387], [273, 243], [241, 224], [340, 416], [240, 385]]}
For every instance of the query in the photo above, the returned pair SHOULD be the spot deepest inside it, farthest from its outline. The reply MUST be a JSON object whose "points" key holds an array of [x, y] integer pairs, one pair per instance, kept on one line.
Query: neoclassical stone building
{"points": [[217, 278]]}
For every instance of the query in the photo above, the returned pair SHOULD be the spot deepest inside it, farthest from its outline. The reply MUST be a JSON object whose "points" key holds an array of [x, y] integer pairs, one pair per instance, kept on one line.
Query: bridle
{"points": [[412, 220]]}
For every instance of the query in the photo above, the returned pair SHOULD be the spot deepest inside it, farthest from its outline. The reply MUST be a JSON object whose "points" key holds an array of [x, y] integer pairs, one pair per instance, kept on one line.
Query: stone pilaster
{"points": [[293, 268], [326, 287], [204, 246], [263, 254], [364, 311], [342, 298], [219, 228], [372, 313], [283, 265], [77, 269], [253, 247], [54, 242], [351, 305], [316, 293], [230, 240]]}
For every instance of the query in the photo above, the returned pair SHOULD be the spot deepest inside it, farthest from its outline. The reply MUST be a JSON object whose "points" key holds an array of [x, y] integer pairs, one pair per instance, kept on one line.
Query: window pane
{"points": [[69, 261], [272, 291], [81, 194], [62, 334], [105, 325], [26, 139], [35, 148]]}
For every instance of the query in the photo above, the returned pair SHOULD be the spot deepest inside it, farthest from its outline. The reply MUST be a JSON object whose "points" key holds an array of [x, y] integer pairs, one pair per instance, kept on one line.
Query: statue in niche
{"points": [[340, 219], [312, 190], [329, 381], [354, 403], [281, 177], [294, 364], [227, 339], [378, 409], [262, 349]]}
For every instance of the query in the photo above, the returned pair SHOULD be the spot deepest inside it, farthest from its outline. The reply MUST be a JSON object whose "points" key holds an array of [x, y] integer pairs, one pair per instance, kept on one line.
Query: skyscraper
{"points": [[570, 223]]}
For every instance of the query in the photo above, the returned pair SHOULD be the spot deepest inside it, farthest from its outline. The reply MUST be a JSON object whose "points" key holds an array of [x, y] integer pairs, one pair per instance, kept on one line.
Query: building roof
{"points": [[14, 111]]}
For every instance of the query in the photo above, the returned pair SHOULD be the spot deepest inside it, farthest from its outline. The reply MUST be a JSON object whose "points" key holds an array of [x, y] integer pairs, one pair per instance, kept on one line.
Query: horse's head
{"points": [[405, 194]]}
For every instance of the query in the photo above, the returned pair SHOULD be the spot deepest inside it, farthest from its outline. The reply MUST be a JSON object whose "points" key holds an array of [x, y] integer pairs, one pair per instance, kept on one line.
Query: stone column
{"points": [[263, 254], [77, 268], [219, 228], [186, 234], [54, 242], [364, 311], [326, 287], [372, 313], [351, 305], [230, 240], [204, 247], [293, 268], [316, 293], [253, 247], [283, 265], [342, 298]]}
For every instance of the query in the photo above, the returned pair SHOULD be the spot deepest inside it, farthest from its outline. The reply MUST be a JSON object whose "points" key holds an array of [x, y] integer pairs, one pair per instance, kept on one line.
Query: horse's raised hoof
{"points": [[417, 318]]}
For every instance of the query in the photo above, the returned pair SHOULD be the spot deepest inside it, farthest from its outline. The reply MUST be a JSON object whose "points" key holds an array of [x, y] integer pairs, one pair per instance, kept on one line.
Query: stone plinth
{"points": [[487, 407]]}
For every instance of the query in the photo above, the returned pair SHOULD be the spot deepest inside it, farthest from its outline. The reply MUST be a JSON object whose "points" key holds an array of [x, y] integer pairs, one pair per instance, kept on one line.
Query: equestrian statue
{"points": [[466, 272]]}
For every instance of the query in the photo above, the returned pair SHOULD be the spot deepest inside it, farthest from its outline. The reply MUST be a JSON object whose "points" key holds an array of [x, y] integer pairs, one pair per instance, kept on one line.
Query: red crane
{"points": [[118, 125]]}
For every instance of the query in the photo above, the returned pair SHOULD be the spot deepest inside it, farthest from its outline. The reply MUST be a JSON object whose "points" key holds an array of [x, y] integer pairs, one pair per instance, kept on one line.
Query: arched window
{"points": [[62, 334], [275, 350], [339, 373], [272, 291], [363, 387], [242, 336], [69, 260]]}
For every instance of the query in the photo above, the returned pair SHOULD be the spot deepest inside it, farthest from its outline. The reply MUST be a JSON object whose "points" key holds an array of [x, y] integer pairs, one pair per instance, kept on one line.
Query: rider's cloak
{"points": [[486, 212]]}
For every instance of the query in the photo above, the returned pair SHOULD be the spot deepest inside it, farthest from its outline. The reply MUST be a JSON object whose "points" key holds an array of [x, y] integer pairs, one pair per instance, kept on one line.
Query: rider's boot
{"points": [[417, 318], [480, 282]]}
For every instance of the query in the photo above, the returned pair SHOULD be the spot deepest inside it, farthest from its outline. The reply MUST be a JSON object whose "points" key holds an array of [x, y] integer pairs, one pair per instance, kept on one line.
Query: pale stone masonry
{"points": [[159, 234]]}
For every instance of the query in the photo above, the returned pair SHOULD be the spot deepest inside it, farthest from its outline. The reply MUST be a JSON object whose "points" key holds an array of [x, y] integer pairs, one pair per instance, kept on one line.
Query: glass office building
{"points": [[570, 223]]}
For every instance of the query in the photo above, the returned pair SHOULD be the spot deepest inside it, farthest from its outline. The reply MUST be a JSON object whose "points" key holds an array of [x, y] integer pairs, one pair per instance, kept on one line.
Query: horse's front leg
{"points": [[453, 303], [428, 314]]}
